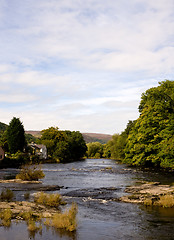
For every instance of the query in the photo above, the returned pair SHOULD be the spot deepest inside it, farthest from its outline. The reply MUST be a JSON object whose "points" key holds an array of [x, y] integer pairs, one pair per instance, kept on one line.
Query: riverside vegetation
{"points": [[62, 146], [147, 141], [44, 206]]}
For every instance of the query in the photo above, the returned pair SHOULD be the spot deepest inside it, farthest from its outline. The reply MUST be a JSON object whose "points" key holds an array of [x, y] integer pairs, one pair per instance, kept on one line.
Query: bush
{"points": [[6, 195], [66, 221], [49, 200], [30, 173], [166, 201], [6, 216]]}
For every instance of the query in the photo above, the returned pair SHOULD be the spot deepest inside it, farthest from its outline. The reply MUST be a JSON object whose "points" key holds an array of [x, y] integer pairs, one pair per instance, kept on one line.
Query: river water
{"points": [[95, 185]]}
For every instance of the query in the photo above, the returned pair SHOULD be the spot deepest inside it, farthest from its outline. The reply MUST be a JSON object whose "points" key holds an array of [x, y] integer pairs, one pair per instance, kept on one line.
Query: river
{"points": [[95, 185]]}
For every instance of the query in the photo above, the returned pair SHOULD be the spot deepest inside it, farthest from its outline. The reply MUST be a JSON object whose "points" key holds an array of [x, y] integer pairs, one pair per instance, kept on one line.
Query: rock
{"points": [[18, 181], [18, 207], [151, 191]]}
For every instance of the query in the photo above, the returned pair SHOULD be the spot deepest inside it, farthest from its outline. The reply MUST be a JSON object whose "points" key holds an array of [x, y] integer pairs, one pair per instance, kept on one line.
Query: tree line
{"points": [[148, 140], [62, 146]]}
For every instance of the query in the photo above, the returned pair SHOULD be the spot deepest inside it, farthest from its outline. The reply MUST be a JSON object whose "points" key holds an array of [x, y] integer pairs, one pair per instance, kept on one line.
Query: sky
{"points": [[82, 65]]}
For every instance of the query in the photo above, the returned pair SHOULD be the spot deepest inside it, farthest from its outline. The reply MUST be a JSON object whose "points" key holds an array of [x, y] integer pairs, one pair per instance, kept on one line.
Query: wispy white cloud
{"points": [[78, 63]]}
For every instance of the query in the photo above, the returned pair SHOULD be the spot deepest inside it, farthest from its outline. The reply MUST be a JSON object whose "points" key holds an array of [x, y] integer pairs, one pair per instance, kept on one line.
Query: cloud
{"points": [[17, 98], [82, 65], [82, 33]]}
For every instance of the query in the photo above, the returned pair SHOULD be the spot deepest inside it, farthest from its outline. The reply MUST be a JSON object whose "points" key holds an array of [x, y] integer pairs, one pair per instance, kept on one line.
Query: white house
{"points": [[40, 150]]}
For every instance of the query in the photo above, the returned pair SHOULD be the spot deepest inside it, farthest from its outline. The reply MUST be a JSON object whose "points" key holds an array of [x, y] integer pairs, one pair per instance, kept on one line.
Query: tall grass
{"points": [[6, 216], [6, 195], [66, 221], [49, 200], [166, 201], [30, 173]]}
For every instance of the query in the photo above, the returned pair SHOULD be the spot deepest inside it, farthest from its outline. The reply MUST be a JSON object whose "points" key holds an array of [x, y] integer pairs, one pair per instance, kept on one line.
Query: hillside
{"points": [[36, 134], [96, 137], [88, 137]]}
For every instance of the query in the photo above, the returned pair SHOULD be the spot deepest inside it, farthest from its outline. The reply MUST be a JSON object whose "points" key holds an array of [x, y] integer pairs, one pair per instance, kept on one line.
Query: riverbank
{"points": [[150, 193]]}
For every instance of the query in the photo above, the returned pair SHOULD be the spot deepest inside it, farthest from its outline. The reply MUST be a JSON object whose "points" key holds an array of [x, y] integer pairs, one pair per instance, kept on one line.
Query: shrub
{"points": [[148, 202], [30, 173], [6, 195], [6, 216], [166, 201], [66, 221], [49, 200]]}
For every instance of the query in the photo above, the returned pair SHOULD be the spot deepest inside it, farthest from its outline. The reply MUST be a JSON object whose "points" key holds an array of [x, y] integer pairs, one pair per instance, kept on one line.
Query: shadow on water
{"points": [[96, 185]]}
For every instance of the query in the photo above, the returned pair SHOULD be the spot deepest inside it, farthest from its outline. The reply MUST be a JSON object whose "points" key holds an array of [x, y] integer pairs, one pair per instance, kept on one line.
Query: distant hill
{"points": [[36, 134], [96, 137], [88, 137]]}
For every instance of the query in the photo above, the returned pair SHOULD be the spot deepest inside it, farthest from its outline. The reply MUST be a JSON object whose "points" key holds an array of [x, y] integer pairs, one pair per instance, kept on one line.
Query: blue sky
{"points": [[82, 65]]}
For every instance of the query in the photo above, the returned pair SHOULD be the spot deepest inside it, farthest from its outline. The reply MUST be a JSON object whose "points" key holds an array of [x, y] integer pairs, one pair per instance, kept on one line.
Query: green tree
{"points": [[115, 147], [151, 139], [3, 127], [71, 148], [3, 141], [95, 150], [50, 137], [77, 145], [63, 146], [15, 135]]}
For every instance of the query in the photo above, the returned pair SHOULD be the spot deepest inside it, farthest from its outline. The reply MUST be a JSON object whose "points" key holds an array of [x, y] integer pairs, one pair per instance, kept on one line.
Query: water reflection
{"points": [[62, 233], [21, 230]]}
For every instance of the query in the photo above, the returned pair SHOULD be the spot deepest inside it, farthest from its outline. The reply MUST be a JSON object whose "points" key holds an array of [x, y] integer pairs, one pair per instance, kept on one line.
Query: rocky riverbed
{"points": [[24, 206], [149, 192]]}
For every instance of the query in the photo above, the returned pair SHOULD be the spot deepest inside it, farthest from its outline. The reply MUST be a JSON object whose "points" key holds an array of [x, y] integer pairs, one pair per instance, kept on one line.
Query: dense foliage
{"points": [[147, 141], [64, 146], [114, 149], [151, 140], [95, 150], [3, 127], [15, 136], [30, 138]]}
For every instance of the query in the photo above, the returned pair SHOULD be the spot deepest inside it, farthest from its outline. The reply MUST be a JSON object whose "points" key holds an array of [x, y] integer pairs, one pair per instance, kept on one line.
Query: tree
{"points": [[77, 145], [151, 140], [95, 150], [64, 146], [15, 135], [115, 147], [50, 137]]}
